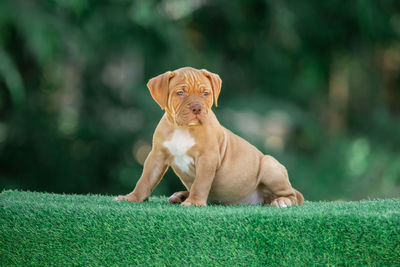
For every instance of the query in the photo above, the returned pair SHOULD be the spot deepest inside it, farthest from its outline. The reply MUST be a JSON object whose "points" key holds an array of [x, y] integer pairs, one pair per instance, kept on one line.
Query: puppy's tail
{"points": [[299, 197]]}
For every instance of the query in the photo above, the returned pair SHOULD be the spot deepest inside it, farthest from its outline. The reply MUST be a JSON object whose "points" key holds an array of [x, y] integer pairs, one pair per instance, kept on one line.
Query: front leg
{"points": [[205, 173], [153, 170]]}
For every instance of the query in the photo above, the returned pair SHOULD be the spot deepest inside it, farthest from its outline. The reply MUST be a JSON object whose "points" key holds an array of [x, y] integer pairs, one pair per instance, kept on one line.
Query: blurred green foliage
{"points": [[314, 83]]}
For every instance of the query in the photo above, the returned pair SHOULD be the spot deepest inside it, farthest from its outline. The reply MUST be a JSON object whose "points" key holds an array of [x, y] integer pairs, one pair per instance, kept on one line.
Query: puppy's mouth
{"points": [[189, 119], [196, 120]]}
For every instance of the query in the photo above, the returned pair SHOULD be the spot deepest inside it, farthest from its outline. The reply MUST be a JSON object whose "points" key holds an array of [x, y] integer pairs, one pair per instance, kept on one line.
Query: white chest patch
{"points": [[179, 144]]}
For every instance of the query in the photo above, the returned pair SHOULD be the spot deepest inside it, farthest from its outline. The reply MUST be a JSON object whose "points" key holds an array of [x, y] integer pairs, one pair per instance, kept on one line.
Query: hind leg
{"points": [[275, 181]]}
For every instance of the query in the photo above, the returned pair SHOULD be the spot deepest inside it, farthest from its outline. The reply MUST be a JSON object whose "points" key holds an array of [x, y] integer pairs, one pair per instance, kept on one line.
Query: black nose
{"points": [[196, 109]]}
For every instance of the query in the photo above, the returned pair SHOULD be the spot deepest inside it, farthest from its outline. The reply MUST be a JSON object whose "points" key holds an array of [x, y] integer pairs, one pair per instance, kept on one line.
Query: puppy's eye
{"points": [[180, 93], [206, 93]]}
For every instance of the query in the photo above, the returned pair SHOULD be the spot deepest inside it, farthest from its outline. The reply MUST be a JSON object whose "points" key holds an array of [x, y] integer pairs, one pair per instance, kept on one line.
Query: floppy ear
{"points": [[216, 84], [158, 87]]}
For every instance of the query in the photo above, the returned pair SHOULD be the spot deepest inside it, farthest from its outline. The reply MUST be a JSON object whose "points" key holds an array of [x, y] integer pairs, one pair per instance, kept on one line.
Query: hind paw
{"points": [[282, 202]]}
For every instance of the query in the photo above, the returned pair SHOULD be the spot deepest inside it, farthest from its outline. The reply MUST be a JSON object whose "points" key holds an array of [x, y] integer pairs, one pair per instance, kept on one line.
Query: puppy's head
{"points": [[186, 94]]}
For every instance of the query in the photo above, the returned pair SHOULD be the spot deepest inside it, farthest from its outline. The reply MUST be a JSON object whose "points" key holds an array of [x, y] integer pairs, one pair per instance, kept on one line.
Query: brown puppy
{"points": [[213, 163]]}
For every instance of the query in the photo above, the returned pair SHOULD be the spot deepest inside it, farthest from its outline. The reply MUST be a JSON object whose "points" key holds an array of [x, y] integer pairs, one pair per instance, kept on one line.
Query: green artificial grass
{"points": [[51, 229]]}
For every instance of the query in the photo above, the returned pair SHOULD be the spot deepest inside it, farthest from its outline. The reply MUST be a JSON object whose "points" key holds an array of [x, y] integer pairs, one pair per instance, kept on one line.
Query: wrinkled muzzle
{"points": [[191, 112]]}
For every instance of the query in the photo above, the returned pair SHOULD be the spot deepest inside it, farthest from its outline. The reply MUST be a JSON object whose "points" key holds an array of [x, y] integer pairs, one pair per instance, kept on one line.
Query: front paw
{"points": [[189, 202], [129, 197]]}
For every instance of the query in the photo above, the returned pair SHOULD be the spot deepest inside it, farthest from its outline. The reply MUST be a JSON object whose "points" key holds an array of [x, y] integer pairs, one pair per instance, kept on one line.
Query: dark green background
{"points": [[314, 83]]}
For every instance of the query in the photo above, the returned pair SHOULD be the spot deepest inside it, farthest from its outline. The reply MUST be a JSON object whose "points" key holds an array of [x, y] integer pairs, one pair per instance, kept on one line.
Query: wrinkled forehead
{"points": [[189, 79]]}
